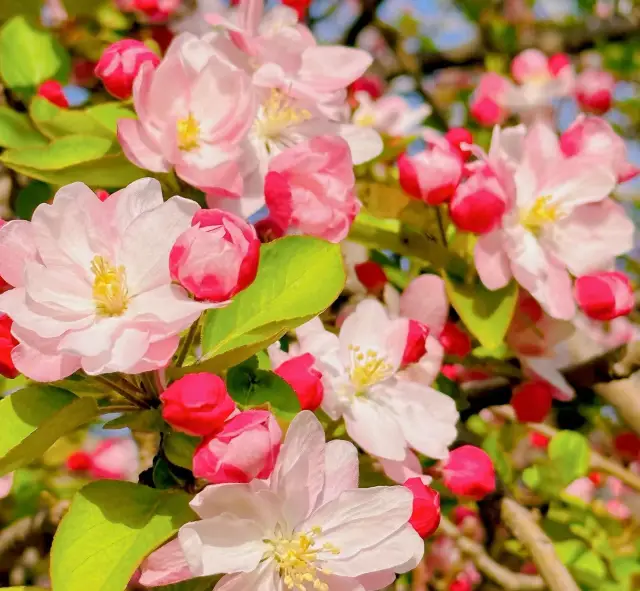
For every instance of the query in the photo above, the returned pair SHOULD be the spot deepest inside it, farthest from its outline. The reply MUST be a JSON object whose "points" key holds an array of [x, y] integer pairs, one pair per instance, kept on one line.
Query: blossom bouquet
{"points": [[282, 314]]}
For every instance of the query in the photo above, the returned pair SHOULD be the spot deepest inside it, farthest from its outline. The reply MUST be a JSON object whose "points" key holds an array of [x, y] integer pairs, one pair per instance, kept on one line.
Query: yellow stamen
{"points": [[367, 370], [277, 114], [540, 214], [110, 292], [295, 558], [188, 133], [366, 120]]}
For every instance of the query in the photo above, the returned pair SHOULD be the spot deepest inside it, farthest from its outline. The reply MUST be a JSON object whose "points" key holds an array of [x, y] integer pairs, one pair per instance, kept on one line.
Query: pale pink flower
{"points": [[92, 283], [176, 126], [403, 470], [384, 410], [594, 136], [309, 527], [6, 482], [310, 188], [610, 493], [115, 459], [594, 91], [390, 114], [555, 204]]}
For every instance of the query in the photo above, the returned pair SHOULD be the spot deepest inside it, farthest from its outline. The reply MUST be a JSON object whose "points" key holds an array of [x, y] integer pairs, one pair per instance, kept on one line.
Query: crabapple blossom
{"points": [[7, 344], [415, 347], [217, 257], [92, 283], [121, 62], [371, 84], [52, 91], [469, 472], [244, 448], [197, 404], [531, 401], [307, 527], [310, 188], [384, 410], [604, 295], [554, 203], [594, 91], [305, 380], [457, 136], [111, 459], [389, 114], [454, 340], [425, 517], [371, 275], [607, 492]]}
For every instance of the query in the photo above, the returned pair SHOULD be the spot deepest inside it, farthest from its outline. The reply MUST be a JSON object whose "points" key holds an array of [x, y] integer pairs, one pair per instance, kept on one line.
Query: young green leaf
{"points": [[34, 418], [55, 122], [16, 130], [109, 529]]}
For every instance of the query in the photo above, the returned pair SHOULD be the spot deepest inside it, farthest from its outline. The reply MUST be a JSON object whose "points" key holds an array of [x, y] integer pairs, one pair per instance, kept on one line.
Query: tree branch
{"points": [[624, 395], [367, 16], [499, 574]]}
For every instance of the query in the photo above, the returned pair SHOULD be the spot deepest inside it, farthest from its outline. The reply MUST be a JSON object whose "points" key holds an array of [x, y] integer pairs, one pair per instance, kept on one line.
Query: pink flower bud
{"points": [[469, 472], [604, 295], [79, 461], [594, 136], [531, 401], [558, 62], [372, 85], [486, 104], [538, 440], [52, 91], [304, 379], [461, 583], [310, 188], [416, 346], [120, 63], [425, 517], [372, 276], [217, 257], [529, 65], [432, 175], [7, 344], [246, 448], [594, 91], [479, 212], [455, 340], [458, 136], [197, 404]]}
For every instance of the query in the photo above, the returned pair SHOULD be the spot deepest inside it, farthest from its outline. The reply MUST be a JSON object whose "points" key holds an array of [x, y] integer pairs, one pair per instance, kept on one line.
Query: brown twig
{"points": [[624, 395], [596, 461], [526, 530], [367, 16], [499, 574]]}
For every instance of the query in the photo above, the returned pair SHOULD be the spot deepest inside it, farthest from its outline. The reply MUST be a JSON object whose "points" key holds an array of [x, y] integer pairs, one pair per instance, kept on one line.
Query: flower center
{"points": [[296, 557], [277, 114], [366, 120], [367, 368], [110, 292], [541, 213], [188, 130]]}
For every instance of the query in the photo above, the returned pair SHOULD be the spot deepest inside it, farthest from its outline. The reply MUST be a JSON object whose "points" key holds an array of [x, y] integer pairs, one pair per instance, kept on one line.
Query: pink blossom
{"points": [[245, 448], [425, 517], [384, 410], [604, 295], [110, 459], [415, 347], [176, 126], [469, 472], [390, 114], [554, 203], [458, 137], [217, 257], [120, 63], [371, 84], [92, 283], [594, 91], [310, 188], [7, 344], [609, 492], [157, 10], [305, 380], [432, 175], [308, 526], [6, 482], [486, 105], [531, 401], [594, 136], [405, 469]]}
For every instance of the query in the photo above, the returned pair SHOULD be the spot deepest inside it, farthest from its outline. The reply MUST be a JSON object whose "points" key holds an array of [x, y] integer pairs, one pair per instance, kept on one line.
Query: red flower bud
{"points": [[432, 175], [478, 211], [604, 295], [558, 62], [7, 345], [52, 91], [532, 401], [416, 342], [304, 379], [425, 518], [120, 63], [197, 404], [455, 340], [300, 6], [469, 472], [79, 461], [461, 583], [372, 85], [457, 136], [372, 276], [538, 440]]}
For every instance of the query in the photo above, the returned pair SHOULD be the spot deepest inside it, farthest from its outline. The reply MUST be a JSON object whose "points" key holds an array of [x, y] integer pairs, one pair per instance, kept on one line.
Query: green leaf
{"points": [[55, 122], [251, 387], [589, 569], [34, 418], [75, 158], [29, 197], [500, 459], [569, 454], [148, 421], [298, 278], [179, 449], [16, 130], [23, 589], [29, 56], [569, 550], [107, 116], [109, 529], [486, 314]]}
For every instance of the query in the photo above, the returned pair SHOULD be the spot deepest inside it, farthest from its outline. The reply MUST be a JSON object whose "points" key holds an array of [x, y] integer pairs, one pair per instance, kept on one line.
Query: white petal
{"points": [[341, 469], [264, 578]]}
